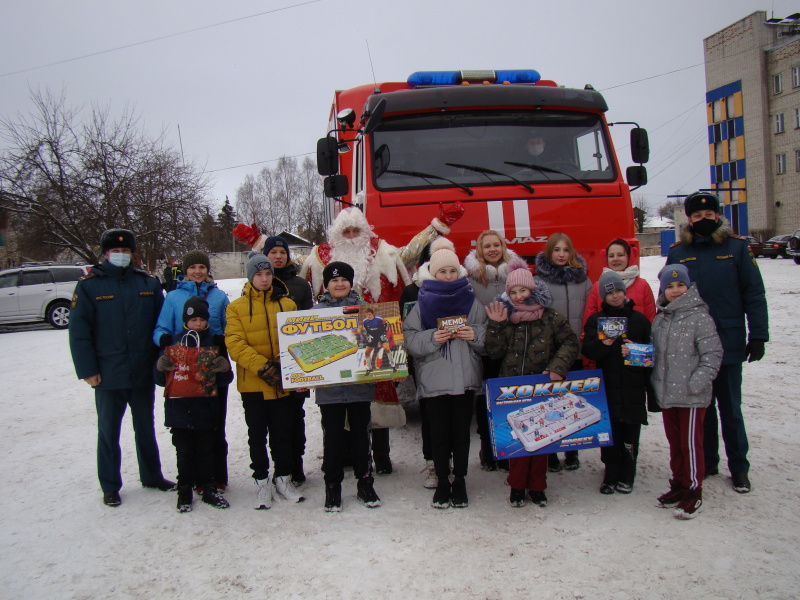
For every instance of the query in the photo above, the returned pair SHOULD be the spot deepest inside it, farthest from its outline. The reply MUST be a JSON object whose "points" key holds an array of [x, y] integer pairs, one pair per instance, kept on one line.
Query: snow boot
{"points": [[517, 498], [263, 494], [366, 492], [571, 460], [333, 497], [741, 483], [212, 496], [458, 493], [441, 497], [553, 464], [673, 497], [690, 506], [431, 480], [538, 498], [184, 498], [284, 487]]}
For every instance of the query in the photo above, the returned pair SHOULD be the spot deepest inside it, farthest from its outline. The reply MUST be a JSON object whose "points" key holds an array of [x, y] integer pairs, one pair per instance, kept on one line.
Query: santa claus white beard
{"points": [[358, 253]]}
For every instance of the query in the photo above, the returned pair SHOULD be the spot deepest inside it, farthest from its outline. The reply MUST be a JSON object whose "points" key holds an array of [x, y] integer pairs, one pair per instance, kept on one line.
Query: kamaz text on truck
{"points": [[526, 157]]}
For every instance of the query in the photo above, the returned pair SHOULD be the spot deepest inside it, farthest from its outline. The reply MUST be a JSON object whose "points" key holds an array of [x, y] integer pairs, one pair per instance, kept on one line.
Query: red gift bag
{"points": [[192, 377]]}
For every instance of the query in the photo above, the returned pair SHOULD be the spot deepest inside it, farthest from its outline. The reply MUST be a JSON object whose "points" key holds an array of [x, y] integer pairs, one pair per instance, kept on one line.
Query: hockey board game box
{"points": [[334, 346], [533, 415]]}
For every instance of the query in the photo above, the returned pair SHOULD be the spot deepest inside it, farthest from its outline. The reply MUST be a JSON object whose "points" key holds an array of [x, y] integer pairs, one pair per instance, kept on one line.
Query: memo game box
{"points": [[531, 414]]}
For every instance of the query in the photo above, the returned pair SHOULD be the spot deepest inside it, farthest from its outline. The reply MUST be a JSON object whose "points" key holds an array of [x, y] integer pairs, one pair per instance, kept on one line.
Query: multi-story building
{"points": [[753, 98]]}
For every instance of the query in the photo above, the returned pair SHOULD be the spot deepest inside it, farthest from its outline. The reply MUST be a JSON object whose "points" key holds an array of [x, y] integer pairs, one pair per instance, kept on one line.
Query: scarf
{"points": [[628, 275], [438, 299], [531, 309], [554, 274], [526, 312]]}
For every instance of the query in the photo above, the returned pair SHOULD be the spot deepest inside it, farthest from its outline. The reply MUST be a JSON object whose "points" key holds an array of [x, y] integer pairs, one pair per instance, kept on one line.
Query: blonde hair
{"points": [[479, 253], [554, 239]]}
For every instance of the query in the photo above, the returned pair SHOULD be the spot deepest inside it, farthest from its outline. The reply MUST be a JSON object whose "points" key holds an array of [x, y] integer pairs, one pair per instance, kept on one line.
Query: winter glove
{"points": [[450, 214], [271, 373], [246, 235], [220, 365], [165, 363], [754, 350], [165, 340]]}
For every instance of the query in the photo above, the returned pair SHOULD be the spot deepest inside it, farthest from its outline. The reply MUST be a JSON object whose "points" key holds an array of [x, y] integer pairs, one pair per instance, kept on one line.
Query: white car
{"points": [[39, 292]]}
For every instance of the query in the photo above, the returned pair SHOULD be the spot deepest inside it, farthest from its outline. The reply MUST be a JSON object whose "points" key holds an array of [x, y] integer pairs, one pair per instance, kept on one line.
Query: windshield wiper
{"points": [[487, 172], [431, 176], [548, 170]]}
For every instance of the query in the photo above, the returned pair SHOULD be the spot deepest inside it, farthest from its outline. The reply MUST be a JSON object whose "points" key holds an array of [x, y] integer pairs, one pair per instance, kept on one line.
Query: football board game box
{"points": [[531, 414], [334, 346]]}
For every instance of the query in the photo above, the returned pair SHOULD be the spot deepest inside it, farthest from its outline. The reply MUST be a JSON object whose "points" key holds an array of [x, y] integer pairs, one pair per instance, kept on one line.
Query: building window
{"points": [[731, 107], [777, 83], [780, 164], [797, 160], [779, 123], [734, 172], [717, 108], [732, 149], [795, 77], [717, 153], [797, 118]]}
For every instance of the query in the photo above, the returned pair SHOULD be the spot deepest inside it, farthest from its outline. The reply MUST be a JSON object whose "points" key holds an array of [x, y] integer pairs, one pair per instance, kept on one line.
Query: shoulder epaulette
{"points": [[88, 276], [736, 236], [674, 244], [143, 272]]}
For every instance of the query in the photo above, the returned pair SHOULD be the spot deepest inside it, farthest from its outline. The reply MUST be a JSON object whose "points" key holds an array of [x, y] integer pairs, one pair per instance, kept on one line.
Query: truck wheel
{"points": [[58, 315]]}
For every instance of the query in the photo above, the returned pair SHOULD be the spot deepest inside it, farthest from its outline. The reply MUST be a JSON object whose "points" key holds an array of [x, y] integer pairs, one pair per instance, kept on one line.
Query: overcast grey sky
{"points": [[250, 90]]}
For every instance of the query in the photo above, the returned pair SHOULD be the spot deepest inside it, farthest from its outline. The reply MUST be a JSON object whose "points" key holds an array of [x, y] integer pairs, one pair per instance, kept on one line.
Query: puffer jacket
{"points": [[688, 352], [569, 287], [340, 394], [299, 288], [170, 321], [252, 335]]}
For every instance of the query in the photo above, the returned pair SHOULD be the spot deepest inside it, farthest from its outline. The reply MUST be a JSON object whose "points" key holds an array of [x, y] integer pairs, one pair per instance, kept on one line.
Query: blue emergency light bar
{"points": [[426, 78]]}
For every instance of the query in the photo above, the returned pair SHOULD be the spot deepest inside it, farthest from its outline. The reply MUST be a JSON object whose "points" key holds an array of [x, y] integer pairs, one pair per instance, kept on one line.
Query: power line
{"points": [[156, 39], [260, 162]]}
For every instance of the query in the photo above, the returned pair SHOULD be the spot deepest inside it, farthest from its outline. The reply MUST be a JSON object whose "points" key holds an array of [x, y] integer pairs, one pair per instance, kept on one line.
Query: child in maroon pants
{"points": [[688, 354], [530, 339]]}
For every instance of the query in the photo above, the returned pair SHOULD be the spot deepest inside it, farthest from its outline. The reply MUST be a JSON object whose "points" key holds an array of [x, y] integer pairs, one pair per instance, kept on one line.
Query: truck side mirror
{"points": [[328, 156], [636, 176], [335, 186], [640, 146]]}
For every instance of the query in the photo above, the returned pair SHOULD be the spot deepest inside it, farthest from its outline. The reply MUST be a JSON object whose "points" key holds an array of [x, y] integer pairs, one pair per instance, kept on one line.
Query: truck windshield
{"points": [[473, 149]]}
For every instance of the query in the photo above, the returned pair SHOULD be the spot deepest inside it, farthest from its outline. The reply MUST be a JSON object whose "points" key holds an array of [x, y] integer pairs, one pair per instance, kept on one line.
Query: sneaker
{"points": [[212, 496], [538, 498], [517, 498], [333, 497], [502, 465], [184, 498], [165, 485], [571, 460], [741, 483], [711, 471], [458, 493], [111, 499], [366, 492], [487, 462], [624, 488], [673, 497], [608, 488], [263, 495], [553, 464], [429, 472], [383, 464], [283, 486], [441, 497], [690, 506]]}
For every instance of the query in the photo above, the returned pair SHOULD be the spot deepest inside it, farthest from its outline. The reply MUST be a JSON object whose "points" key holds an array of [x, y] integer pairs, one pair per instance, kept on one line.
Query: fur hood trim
{"points": [[473, 267], [560, 275]]}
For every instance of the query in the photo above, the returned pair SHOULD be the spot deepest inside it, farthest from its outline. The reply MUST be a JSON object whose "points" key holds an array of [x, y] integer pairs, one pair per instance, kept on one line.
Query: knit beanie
{"points": [[441, 259], [672, 273], [273, 241], [195, 307], [117, 238], [610, 281], [257, 262], [195, 257], [337, 269], [700, 201], [519, 274]]}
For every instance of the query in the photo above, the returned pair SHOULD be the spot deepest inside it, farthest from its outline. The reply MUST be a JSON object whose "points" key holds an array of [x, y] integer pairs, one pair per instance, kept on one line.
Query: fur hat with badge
{"points": [[195, 307], [195, 257], [117, 238], [700, 201], [337, 269], [672, 273], [257, 262], [610, 281]]}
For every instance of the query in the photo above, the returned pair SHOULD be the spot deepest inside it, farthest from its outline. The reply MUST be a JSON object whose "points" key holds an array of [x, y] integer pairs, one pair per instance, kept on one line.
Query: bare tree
{"points": [[69, 180], [311, 223], [667, 210], [639, 212]]}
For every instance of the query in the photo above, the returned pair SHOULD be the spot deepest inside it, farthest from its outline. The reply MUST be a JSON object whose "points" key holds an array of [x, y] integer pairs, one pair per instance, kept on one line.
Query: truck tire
{"points": [[58, 315]]}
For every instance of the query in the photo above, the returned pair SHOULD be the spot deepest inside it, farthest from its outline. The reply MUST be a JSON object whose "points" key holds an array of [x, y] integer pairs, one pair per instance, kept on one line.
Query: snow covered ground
{"points": [[60, 541]]}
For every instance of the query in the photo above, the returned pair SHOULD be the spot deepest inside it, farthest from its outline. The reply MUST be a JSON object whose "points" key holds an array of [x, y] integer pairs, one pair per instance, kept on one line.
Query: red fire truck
{"points": [[526, 157]]}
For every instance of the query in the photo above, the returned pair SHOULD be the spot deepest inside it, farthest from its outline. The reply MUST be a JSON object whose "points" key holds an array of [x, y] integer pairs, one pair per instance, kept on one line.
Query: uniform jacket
{"points": [[170, 321], [569, 287], [299, 288], [113, 315], [626, 386], [192, 413], [495, 278], [688, 353], [728, 279], [340, 394], [456, 370], [252, 335]]}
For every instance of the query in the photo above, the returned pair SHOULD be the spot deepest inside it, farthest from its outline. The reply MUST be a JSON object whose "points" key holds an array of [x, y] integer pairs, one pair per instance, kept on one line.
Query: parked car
{"points": [[39, 292], [756, 247], [793, 248], [776, 246]]}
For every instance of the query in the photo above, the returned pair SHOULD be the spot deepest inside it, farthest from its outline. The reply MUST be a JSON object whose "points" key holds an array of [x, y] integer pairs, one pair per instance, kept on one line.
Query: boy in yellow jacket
{"points": [[251, 336]]}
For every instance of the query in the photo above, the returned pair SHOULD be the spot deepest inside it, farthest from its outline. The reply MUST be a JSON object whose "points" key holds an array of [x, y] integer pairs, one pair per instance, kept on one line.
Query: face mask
{"points": [[119, 259], [704, 227]]}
